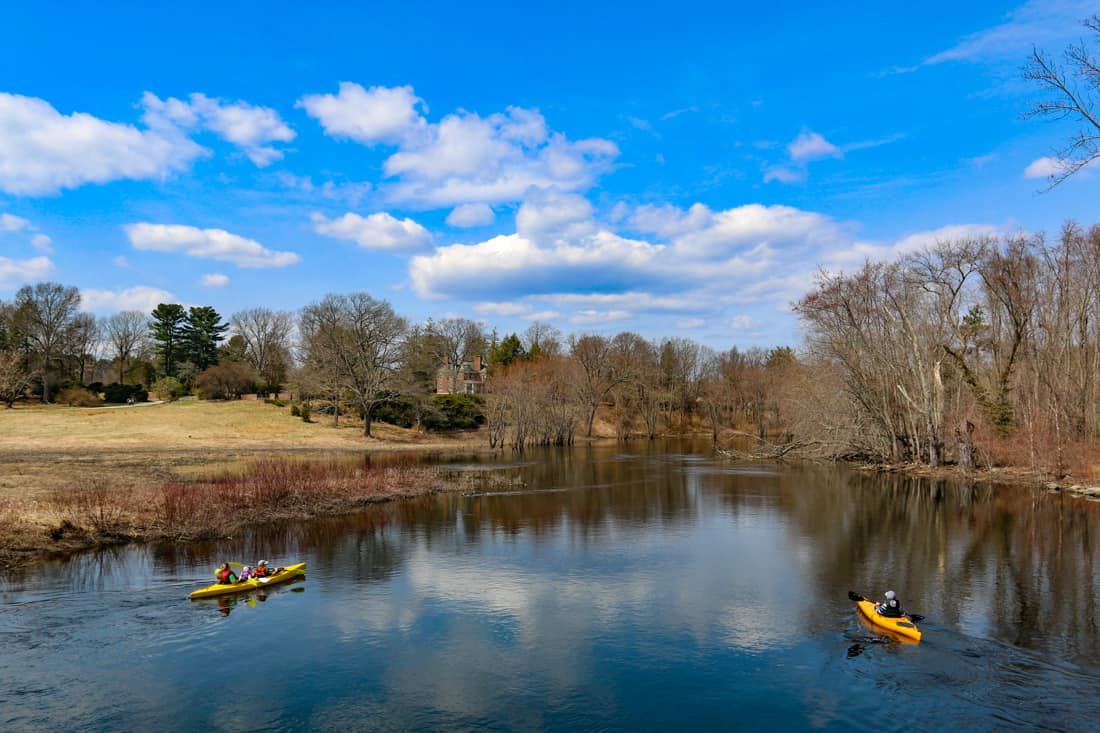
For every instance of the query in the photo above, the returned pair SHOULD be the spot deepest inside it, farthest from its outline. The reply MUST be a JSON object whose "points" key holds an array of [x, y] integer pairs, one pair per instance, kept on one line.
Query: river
{"points": [[617, 587]]}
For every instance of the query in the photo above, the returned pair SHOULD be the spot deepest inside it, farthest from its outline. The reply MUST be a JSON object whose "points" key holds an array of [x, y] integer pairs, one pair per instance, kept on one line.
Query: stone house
{"points": [[465, 378]]}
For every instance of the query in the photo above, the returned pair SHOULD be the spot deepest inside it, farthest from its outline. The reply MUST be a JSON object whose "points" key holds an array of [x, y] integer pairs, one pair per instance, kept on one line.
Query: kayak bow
{"points": [[903, 626], [221, 589]]}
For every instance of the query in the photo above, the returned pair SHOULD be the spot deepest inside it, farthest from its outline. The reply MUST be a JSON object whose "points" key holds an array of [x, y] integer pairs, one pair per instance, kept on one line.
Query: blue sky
{"points": [[675, 169]]}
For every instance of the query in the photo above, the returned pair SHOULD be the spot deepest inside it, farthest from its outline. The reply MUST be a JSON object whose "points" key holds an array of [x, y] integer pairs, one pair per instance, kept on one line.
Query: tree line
{"points": [[352, 355], [976, 351]]}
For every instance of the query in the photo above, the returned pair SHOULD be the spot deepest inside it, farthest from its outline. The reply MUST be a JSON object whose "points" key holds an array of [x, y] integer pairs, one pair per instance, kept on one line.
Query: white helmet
{"points": [[890, 595]]}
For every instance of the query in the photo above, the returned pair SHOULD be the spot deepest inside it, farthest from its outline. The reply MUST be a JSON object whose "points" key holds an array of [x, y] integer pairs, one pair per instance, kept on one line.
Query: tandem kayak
{"points": [[221, 589], [903, 627]]}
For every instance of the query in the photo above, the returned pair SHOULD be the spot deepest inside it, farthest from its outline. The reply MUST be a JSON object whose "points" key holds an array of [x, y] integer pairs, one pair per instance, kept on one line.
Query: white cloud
{"points": [[43, 151], [138, 298], [463, 158], [1045, 167], [700, 263], [1035, 23], [42, 243], [249, 127], [17, 224], [369, 116], [584, 260], [702, 233], [121, 261], [214, 244], [512, 265], [12, 223], [18, 272], [857, 252], [214, 280], [502, 309], [377, 231], [471, 215], [744, 323], [551, 214], [784, 175], [812, 146], [543, 316], [588, 316], [630, 300]]}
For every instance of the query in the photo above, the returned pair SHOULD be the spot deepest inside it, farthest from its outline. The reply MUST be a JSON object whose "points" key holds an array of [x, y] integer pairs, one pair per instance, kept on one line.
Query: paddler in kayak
{"points": [[225, 574], [889, 607], [263, 571]]}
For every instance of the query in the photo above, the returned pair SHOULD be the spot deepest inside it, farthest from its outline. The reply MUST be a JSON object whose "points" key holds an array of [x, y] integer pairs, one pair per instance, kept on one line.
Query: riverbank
{"points": [[75, 479], [1007, 475]]}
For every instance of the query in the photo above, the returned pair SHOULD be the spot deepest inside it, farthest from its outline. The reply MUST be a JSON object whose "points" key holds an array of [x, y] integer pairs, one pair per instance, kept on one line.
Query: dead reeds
{"points": [[265, 490]]}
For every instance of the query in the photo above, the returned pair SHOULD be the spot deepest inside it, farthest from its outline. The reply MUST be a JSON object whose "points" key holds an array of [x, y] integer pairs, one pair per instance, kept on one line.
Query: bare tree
{"points": [[126, 332], [455, 340], [603, 366], [1074, 90], [45, 313], [358, 339], [15, 376], [266, 335], [542, 339], [84, 342]]}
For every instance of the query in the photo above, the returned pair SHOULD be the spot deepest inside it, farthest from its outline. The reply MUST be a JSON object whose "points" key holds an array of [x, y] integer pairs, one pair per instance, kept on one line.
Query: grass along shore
{"points": [[74, 479]]}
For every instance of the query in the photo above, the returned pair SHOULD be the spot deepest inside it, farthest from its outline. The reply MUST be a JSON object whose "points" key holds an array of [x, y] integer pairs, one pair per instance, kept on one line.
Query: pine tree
{"points": [[507, 351], [203, 331], [167, 330]]}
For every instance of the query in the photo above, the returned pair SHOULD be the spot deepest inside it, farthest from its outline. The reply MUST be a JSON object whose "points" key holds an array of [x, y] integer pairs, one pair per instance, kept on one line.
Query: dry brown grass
{"points": [[194, 424], [62, 465]]}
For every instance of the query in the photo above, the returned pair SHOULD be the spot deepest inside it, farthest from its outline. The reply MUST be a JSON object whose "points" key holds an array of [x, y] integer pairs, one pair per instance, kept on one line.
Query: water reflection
{"points": [[608, 589]]}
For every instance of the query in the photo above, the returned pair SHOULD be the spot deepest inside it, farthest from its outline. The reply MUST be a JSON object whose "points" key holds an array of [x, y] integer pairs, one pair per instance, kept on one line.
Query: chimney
{"points": [[477, 363]]}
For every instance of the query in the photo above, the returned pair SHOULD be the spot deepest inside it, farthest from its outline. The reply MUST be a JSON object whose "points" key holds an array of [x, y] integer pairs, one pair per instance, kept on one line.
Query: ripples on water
{"points": [[648, 589]]}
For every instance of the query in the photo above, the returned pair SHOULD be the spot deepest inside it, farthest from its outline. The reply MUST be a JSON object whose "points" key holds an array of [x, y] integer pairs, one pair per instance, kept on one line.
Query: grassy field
{"points": [[47, 454]]}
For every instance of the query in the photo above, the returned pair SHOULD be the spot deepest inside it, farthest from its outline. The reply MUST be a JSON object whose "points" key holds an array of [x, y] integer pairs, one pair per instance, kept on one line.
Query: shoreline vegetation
{"points": [[76, 480], [101, 514]]}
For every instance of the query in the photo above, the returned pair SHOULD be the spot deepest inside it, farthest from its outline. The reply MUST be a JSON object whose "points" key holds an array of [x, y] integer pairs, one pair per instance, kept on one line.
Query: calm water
{"points": [[623, 588]]}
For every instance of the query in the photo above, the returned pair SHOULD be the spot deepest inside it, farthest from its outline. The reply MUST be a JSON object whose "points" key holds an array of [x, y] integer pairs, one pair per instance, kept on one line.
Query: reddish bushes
{"points": [[264, 490]]}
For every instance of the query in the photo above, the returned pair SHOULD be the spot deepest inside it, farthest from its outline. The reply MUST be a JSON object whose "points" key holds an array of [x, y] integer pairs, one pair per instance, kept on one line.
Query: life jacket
{"points": [[260, 571], [225, 575], [890, 609]]}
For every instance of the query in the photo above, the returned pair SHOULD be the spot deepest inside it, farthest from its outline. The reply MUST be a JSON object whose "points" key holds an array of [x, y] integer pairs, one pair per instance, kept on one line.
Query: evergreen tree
{"points": [[509, 350], [203, 331], [167, 330]]}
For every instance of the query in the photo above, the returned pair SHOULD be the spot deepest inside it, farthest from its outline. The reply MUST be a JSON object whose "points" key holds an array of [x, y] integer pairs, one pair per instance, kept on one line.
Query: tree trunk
{"points": [[965, 439]]}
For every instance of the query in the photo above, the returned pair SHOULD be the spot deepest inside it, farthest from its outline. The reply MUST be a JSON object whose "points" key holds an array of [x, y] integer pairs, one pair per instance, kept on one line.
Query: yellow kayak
{"points": [[221, 589], [902, 627]]}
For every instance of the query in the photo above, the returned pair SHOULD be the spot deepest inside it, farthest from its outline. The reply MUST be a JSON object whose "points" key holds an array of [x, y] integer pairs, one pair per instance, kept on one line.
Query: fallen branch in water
{"points": [[765, 451]]}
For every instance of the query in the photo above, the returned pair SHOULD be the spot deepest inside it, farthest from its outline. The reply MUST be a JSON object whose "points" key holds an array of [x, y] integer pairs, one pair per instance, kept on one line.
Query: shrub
{"points": [[121, 393], [168, 388], [295, 411], [305, 412], [397, 412], [78, 397], [459, 411], [226, 381], [277, 402]]}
